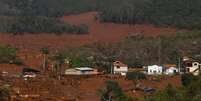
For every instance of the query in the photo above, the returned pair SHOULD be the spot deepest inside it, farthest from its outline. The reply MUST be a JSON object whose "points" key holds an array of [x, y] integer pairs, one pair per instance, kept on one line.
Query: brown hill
{"points": [[103, 32]]}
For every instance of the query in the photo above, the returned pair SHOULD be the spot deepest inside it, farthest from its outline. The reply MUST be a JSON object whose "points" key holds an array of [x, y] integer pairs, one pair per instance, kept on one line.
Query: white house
{"points": [[120, 68], [171, 70], [81, 71], [190, 66], [193, 67], [154, 70]]}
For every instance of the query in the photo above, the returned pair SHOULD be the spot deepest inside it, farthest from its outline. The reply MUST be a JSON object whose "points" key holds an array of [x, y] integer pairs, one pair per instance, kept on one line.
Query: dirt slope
{"points": [[103, 32]]}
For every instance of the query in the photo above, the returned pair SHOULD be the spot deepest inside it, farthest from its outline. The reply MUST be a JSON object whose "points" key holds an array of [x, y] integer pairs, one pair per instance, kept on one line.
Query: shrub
{"points": [[82, 29], [18, 61], [38, 24], [4, 93], [7, 54], [113, 92], [135, 76], [187, 79]]}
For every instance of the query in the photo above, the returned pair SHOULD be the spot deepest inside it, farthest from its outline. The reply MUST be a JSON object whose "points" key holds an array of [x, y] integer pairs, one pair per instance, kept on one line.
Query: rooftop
{"points": [[119, 63], [84, 69]]}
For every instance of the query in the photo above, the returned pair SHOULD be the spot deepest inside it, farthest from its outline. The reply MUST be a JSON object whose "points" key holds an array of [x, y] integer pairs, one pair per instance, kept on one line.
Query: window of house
{"points": [[189, 64], [188, 70], [118, 67], [195, 64]]}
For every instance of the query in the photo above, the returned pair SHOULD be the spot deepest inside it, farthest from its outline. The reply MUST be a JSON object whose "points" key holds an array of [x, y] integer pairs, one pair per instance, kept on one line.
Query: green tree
{"points": [[113, 92], [5, 93]]}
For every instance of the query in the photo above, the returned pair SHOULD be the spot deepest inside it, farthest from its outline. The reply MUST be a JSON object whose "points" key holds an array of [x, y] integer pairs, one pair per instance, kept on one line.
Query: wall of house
{"points": [[195, 66], [171, 71], [155, 70], [78, 72], [120, 69]]}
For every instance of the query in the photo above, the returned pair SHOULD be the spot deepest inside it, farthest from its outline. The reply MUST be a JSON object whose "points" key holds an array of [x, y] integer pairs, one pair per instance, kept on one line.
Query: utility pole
{"points": [[159, 51], [179, 64]]}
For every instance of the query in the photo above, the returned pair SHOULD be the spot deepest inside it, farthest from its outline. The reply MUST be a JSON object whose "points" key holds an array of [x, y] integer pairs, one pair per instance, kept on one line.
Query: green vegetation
{"points": [[5, 93], [39, 16], [179, 13], [8, 55], [135, 76], [31, 24], [113, 92], [50, 8], [169, 94], [137, 51], [189, 92], [187, 79], [78, 57]]}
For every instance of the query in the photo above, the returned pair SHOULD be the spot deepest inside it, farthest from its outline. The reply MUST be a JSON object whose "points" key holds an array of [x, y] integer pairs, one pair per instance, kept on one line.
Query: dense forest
{"points": [[36, 16], [176, 13]]}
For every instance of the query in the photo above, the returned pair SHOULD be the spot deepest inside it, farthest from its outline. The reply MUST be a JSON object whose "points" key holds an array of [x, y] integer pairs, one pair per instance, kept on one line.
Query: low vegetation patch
{"points": [[113, 91], [8, 55], [40, 16], [135, 76], [45, 25]]}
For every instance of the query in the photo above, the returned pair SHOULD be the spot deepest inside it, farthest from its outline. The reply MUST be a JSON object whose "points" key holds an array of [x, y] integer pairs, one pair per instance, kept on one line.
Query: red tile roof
{"points": [[119, 63]]}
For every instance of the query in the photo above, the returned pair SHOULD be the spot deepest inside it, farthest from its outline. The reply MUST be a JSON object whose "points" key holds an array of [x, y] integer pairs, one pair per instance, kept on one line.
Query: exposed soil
{"points": [[84, 89], [102, 32], [79, 88]]}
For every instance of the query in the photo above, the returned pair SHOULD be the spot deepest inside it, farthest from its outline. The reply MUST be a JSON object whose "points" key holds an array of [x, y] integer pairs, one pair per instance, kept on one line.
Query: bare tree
{"points": [[45, 52]]}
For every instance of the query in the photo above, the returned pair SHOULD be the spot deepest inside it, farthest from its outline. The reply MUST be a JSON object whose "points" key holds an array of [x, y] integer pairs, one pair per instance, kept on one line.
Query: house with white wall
{"points": [[154, 70], [120, 68], [171, 70], [190, 65], [81, 71]]}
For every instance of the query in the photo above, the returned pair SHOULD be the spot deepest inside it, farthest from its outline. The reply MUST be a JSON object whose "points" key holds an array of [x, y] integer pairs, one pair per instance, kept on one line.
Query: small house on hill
{"points": [[154, 70], [29, 72], [171, 69], [191, 66], [120, 68], [81, 71]]}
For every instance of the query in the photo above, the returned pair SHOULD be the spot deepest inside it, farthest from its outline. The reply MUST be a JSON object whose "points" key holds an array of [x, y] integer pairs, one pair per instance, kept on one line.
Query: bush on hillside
{"points": [[113, 92], [5, 93], [50, 8], [187, 79], [8, 55], [135, 76], [30, 24]]}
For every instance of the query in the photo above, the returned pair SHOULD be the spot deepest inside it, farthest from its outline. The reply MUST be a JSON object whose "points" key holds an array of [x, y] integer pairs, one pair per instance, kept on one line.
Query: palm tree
{"points": [[45, 52]]}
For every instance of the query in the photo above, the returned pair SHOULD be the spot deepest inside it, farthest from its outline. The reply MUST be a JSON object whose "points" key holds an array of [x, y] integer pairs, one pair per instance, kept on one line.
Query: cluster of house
{"points": [[186, 66]]}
